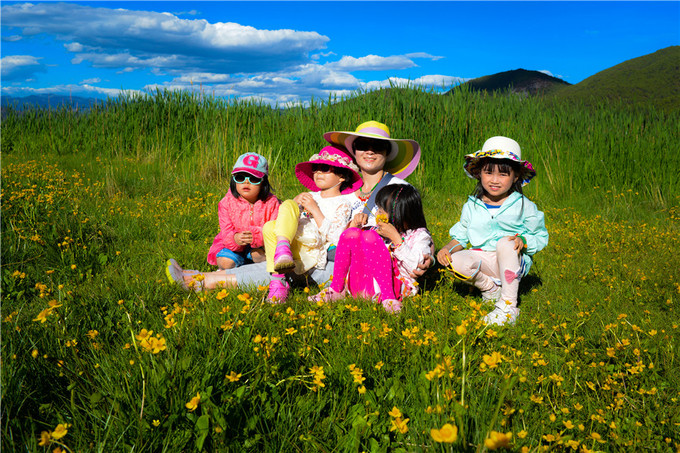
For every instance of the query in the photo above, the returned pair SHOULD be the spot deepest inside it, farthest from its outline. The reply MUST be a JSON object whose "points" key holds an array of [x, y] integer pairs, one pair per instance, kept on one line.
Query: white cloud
{"points": [[75, 90], [372, 63], [19, 67], [423, 55], [12, 38], [108, 37], [545, 71], [92, 80]]}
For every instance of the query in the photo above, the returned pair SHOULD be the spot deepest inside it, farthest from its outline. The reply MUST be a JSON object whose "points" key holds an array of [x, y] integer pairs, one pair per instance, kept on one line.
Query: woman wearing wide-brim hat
{"points": [[383, 160]]}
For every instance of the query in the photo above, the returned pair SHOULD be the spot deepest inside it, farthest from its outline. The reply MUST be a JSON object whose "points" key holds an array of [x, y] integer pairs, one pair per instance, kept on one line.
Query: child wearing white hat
{"points": [[503, 228]]}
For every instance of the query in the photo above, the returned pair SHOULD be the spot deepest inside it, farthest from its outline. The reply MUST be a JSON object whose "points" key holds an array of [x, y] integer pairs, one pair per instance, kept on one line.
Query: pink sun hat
{"points": [[401, 159], [334, 157]]}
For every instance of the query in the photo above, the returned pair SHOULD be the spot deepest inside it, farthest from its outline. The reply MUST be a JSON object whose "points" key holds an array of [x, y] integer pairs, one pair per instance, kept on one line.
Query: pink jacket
{"points": [[236, 215]]}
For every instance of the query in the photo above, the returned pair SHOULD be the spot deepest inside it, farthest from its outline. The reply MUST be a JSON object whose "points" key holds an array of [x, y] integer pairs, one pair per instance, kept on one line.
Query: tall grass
{"points": [[612, 146]]}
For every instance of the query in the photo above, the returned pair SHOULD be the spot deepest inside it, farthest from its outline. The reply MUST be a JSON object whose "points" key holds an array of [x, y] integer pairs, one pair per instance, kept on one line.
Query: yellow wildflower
{"points": [[498, 440], [193, 404], [399, 424], [60, 431], [448, 433], [233, 377], [42, 316], [45, 439], [396, 413]]}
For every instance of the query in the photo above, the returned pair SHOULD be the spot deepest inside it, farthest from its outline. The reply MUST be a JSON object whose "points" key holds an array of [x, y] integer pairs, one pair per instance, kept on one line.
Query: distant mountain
{"points": [[652, 79], [48, 100], [518, 81]]}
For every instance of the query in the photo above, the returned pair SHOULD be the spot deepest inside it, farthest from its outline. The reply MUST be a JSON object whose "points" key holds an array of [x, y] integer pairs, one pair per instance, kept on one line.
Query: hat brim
{"points": [[400, 161], [305, 175], [250, 171], [471, 167]]}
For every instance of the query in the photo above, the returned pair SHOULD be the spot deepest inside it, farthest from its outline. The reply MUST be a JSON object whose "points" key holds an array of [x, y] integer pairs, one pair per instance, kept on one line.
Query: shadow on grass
{"points": [[436, 277]]}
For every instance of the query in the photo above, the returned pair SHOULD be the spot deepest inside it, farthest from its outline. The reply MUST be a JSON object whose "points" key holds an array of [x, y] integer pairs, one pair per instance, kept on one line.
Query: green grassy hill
{"points": [[652, 79]]}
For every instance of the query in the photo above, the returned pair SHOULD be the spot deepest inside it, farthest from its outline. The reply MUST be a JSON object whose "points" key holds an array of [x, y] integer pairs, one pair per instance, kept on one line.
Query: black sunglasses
{"points": [[365, 144], [241, 178], [323, 168]]}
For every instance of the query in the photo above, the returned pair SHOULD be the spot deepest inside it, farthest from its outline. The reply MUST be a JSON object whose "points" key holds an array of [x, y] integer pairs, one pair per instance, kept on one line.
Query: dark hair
{"points": [[504, 166], [265, 188], [403, 205], [345, 173]]}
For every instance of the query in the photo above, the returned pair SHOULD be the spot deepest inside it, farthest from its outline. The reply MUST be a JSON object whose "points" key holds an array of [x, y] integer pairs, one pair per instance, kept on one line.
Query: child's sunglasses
{"points": [[241, 178], [323, 168]]}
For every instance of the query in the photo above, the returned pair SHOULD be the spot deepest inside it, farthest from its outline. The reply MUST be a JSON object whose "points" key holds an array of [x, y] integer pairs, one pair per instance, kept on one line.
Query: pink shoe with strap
{"points": [[278, 291], [391, 305], [327, 295], [283, 258]]}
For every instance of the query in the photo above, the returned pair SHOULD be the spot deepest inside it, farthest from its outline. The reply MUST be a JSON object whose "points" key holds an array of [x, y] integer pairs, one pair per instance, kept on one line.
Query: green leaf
{"points": [[202, 429]]}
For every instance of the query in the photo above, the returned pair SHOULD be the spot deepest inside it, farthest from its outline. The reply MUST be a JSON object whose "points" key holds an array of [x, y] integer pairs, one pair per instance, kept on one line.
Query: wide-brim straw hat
{"points": [[499, 148], [402, 157], [334, 157]]}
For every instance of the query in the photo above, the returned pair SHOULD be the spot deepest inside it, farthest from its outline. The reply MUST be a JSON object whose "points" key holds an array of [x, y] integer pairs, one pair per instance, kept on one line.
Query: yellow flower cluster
{"points": [[358, 377], [149, 343], [398, 422], [318, 376]]}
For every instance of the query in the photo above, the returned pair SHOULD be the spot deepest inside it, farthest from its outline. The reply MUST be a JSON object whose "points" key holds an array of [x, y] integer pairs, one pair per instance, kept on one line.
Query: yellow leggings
{"points": [[285, 225]]}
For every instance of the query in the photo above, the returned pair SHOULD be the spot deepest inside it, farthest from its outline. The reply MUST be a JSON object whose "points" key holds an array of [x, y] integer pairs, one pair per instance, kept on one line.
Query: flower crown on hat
{"points": [[335, 158]]}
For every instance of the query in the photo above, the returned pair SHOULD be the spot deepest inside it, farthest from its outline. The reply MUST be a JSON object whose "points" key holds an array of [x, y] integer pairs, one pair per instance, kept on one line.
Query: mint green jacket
{"points": [[481, 227]]}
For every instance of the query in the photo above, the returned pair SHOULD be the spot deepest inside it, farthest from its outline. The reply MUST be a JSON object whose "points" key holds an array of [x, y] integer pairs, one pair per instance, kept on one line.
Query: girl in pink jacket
{"points": [[243, 211]]}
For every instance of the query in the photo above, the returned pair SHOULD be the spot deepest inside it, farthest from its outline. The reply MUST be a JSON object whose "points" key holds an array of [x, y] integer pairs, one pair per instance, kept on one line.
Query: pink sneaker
{"points": [[283, 259], [391, 305], [327, 295], [278, 291]]}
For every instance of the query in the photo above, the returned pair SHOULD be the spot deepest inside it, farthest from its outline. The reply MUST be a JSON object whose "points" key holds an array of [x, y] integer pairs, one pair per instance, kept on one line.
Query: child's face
{"points": [[324, 178], [497, 184], [246, 189]]}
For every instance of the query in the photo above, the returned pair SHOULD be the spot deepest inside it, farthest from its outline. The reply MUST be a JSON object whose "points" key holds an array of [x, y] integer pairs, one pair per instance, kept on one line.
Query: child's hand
{"points": [[387, 230], [243, 237], [306, 201], [444, 257], [518, 243], [359, 220]]}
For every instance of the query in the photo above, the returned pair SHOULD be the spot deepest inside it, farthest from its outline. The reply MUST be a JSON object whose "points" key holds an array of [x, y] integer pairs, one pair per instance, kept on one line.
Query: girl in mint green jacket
{"points": [[503, 228]]}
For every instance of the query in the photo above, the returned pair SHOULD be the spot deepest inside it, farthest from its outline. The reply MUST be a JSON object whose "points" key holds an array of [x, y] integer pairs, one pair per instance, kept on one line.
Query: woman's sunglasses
{"points": [[241, 178], [365, 144], [323, 168]]}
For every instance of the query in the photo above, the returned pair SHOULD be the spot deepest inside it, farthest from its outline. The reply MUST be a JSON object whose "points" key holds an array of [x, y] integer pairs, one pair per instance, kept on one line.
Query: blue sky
{"points": [[289, 52]]}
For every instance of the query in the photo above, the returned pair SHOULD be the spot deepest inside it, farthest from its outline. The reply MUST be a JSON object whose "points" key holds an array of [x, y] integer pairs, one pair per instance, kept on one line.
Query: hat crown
{"points": [[252, 163], [373, 128], [505, 144]]}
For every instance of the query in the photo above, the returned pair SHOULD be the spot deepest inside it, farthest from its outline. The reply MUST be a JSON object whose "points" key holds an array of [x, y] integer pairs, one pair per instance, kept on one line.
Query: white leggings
{"points": [[485, 270]]}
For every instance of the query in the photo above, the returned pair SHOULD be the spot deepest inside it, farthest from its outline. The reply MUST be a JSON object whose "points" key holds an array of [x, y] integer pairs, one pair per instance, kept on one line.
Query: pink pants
{"points": [[485, 269], [360, 258]]}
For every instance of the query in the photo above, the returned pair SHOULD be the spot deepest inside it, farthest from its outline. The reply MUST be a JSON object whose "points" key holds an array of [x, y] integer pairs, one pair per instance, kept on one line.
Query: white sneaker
{"points": [[502, 316], [491, 295]]}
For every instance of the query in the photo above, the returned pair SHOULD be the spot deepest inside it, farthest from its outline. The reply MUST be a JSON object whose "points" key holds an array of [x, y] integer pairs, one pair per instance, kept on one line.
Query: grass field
{"points": [[100, 353]]}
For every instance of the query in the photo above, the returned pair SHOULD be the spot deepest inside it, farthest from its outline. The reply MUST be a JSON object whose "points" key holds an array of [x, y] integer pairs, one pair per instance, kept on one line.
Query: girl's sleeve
{"points": [[227, 227], [271, 210], [331, 229], [415, 246], [536, 235], [459, 231]]}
